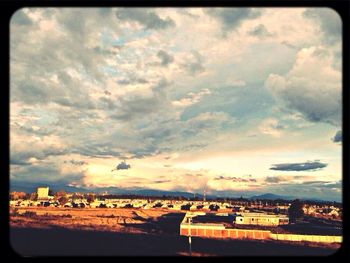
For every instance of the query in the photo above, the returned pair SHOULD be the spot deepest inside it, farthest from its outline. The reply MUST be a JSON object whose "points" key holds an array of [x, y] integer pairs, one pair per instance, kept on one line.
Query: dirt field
{"points": [[101, 219]]}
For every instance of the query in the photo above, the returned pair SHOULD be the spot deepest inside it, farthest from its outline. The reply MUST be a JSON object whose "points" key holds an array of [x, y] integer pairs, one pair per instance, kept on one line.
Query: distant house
{"points": [[95, 204], [261, 219], [334, 213], [17, 195], [68, 204], [109, 205], [13, 202]]}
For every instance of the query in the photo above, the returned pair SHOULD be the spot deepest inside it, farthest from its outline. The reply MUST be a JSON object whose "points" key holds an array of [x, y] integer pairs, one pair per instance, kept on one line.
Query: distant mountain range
{"points": [[31, 187], [270, 196], [28, 187]]}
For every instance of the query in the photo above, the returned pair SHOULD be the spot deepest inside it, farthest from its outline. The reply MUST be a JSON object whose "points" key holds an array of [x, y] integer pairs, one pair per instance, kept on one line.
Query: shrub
{"points": [[29, 214], [14, 212]]}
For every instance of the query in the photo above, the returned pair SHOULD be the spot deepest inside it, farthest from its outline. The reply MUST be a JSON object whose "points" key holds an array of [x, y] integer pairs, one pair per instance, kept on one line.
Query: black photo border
{"points": [[8, 7]]}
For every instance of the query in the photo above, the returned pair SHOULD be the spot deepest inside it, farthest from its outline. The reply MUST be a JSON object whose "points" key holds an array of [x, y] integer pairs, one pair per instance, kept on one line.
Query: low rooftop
{"points": [[262, 215], [213, 219]]}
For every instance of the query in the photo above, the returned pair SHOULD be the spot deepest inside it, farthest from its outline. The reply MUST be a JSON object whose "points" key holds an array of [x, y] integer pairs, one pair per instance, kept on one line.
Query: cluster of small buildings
{"points": [[227, 225], [323, 211], [44, 199], [125, 203], [78, 201]]}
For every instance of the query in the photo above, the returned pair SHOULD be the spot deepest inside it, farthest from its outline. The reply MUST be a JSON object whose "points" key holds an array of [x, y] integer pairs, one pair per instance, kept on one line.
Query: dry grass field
{"points": [[101, 219]]}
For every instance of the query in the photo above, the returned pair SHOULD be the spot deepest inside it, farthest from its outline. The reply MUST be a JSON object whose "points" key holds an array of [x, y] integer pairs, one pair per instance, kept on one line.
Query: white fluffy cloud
{"points": [[191, 98], [271, 127], [312, 86]]}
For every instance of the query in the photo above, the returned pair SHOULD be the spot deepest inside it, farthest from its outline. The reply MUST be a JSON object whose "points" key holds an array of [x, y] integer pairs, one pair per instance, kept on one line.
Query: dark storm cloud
{"points": [[48, 173], [316, 183], [17, 160], [161, 181], [260, 31], [285, 179], [96, 149], [31, 130], [149, 19], [34, 90], [32, 82], [338, 137], [32, 172], [75, 162], [275, 179], [313, 109], [167, 135], [193, 146], [31, 91], [329, 113], [331, 185], [123, 166], [165, 58], [329, 21], [108, 103], [322, 104], [22, 157], [132, 80], [148, 150], [139, 106], [235, 179], [195, 64], [290, 45], [76, 103], [307, 166], [104, 51], [232, 18]]}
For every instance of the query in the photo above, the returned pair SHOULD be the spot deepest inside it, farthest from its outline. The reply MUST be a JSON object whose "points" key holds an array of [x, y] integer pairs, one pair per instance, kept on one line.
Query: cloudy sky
{"points": [[233, 100]]}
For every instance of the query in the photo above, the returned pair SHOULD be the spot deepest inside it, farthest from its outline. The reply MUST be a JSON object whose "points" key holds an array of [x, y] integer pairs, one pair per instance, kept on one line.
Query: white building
{"points": [[261, 219]]}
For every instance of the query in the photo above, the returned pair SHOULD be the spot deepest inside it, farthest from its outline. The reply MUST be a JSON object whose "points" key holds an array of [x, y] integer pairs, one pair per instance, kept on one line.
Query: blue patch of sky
{"points": [[240, 103], [175, 49], [260, 61], [119, 41], [109, 70], [129, 35], [46, 117], [141, 124], [319, 130], [106, 38]]}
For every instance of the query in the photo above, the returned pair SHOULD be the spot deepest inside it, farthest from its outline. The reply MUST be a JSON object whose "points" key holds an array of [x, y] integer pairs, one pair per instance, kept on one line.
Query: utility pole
{"points": [[189, 235]]}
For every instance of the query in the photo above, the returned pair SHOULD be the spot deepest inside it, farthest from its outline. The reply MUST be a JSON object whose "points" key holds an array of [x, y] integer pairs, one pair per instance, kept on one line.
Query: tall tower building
{"points": [[43, 193]]}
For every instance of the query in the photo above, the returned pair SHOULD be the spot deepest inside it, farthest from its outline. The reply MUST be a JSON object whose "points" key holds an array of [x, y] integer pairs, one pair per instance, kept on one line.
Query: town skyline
{"points": [[178, 99]]}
